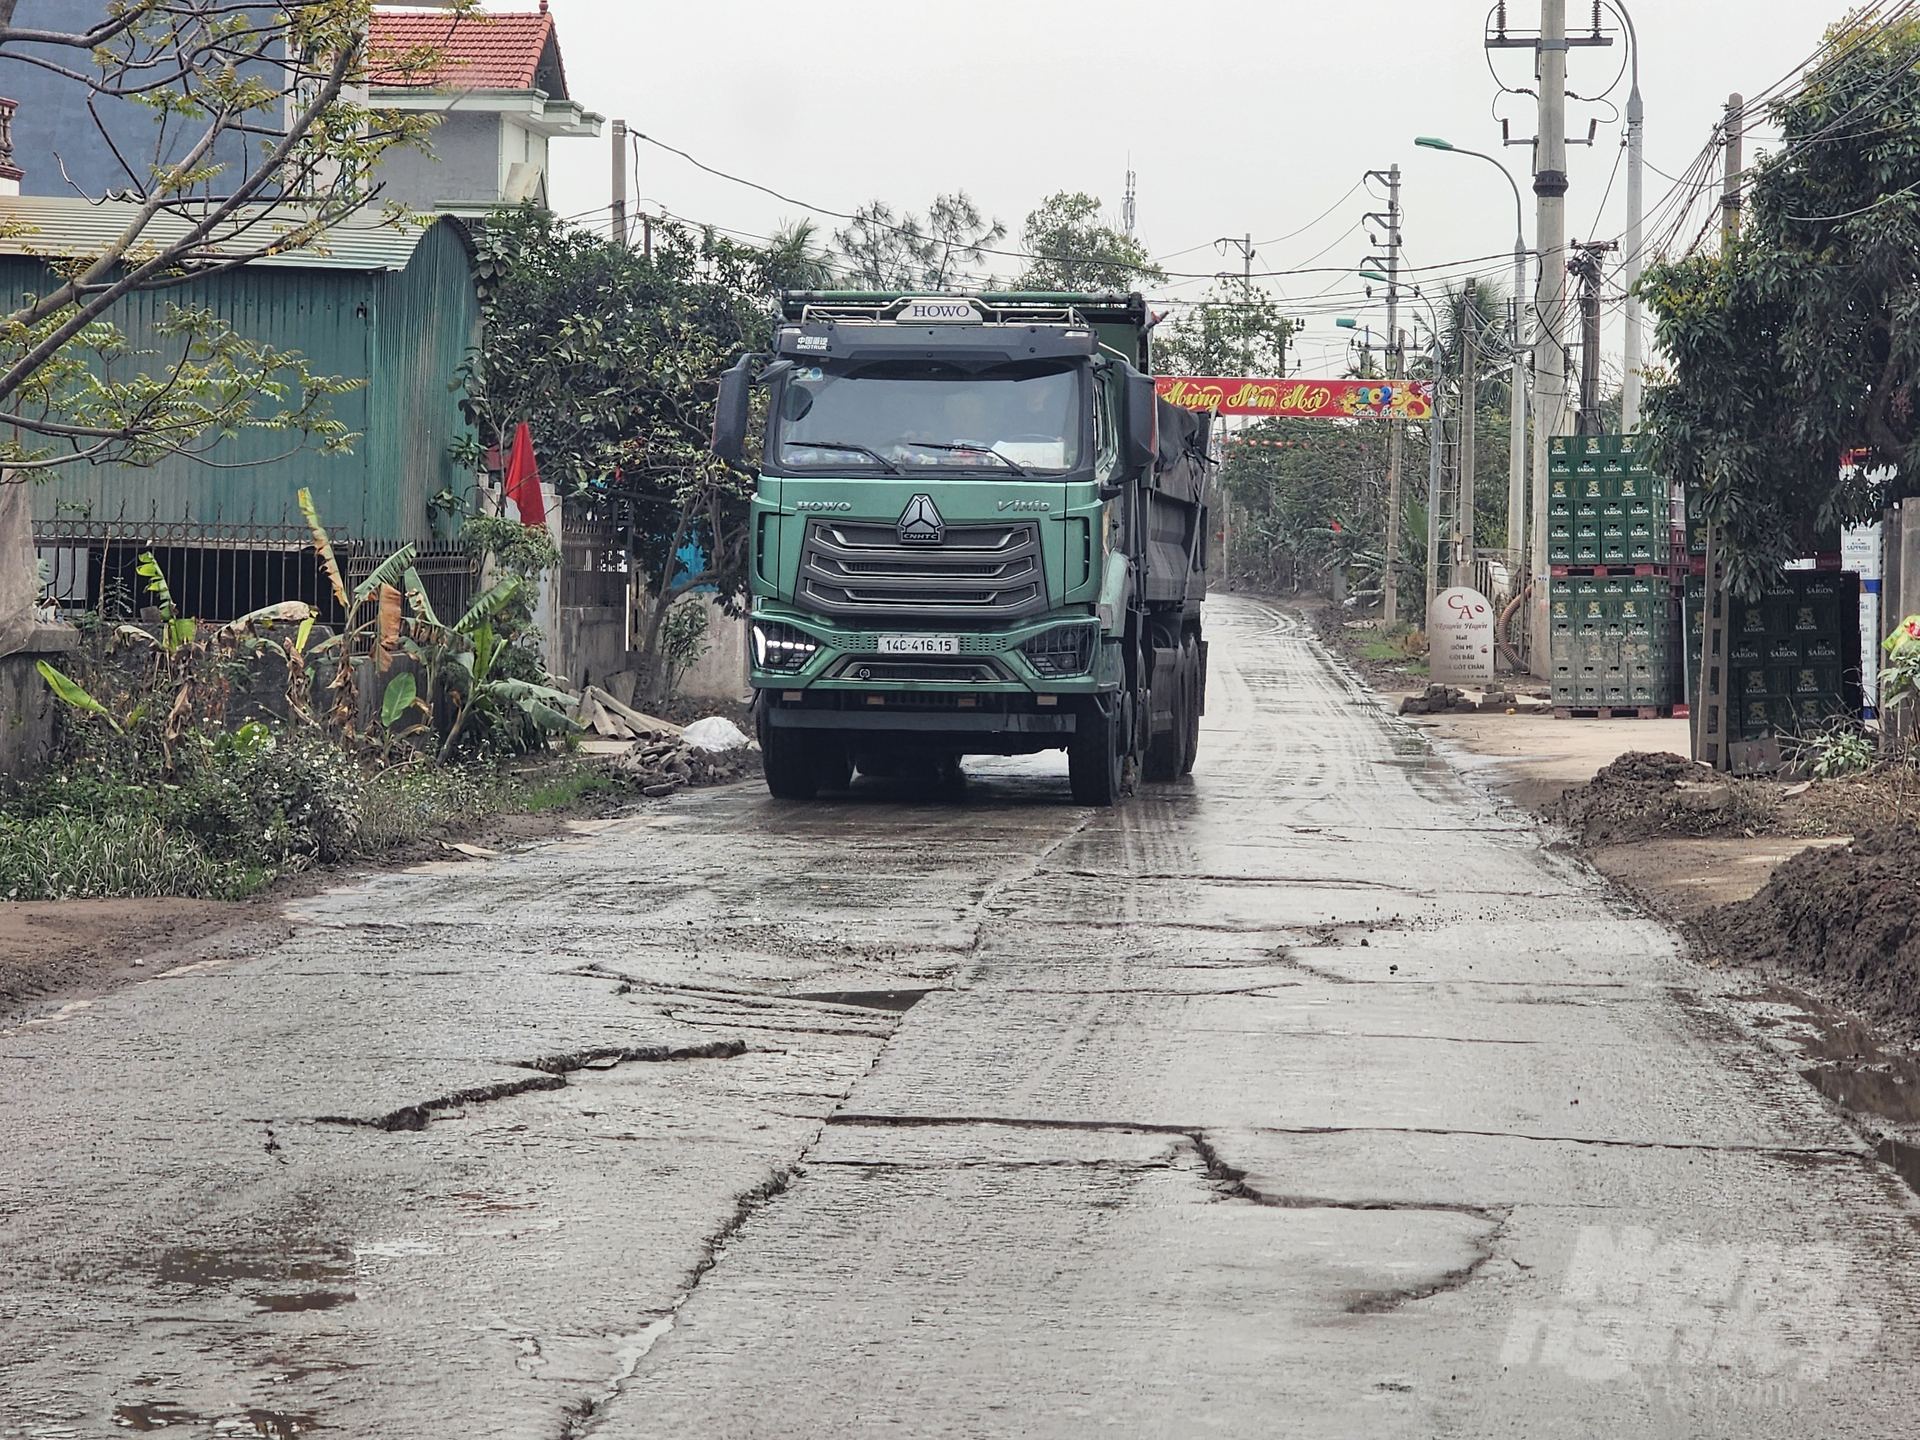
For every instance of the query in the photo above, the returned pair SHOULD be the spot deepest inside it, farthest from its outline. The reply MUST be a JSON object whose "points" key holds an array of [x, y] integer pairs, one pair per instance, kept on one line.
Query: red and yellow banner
{"points": [[1300, 399]]}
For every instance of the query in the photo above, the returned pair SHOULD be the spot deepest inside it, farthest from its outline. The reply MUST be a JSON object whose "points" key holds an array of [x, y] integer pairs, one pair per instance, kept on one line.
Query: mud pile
{"points": [[1644, 795], [1843, 916]]}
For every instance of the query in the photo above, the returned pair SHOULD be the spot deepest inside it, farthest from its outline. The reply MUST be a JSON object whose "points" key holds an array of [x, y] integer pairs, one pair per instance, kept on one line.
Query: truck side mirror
{"points": [[1143, 433], [730, 415]]}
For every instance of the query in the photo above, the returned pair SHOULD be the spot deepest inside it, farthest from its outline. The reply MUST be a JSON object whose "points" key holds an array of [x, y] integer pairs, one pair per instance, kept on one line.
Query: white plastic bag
{"points": [[716, 734]]}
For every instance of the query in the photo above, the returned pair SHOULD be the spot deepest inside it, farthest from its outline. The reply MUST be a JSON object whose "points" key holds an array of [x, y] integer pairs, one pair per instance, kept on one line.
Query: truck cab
{"points": [[975, 530]]}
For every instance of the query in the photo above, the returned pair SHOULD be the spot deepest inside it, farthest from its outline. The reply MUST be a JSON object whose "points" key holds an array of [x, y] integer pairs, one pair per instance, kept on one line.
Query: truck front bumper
{"points": [[1019, 660], [963, 722]]}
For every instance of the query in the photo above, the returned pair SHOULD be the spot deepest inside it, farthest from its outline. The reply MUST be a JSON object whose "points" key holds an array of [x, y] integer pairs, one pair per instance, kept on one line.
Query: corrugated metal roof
{"points": [[59, 226], [476, 52]]}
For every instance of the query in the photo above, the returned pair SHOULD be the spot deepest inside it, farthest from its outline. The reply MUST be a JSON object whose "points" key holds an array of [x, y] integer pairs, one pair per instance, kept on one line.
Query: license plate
{"points": [[919, 644]]}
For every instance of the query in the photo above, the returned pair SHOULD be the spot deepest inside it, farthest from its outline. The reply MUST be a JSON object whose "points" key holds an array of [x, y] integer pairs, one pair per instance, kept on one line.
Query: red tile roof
{"points": [[477, 52]]}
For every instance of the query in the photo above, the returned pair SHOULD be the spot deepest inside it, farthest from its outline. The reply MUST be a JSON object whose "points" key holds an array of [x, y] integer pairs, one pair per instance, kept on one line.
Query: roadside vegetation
{"points": [[209, 760]]}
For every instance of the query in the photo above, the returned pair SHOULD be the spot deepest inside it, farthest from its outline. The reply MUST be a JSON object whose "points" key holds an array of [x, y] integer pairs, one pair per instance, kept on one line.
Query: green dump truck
{"points": [[977, 530]]}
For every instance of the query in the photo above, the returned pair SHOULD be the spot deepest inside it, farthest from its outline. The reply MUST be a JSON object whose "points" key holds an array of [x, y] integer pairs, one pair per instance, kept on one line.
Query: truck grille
{"points": [[866, 667], [978, 570]]}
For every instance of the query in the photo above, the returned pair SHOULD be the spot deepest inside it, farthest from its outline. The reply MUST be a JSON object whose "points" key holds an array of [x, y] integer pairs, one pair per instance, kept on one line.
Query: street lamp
{"points": [[1517, 421]]}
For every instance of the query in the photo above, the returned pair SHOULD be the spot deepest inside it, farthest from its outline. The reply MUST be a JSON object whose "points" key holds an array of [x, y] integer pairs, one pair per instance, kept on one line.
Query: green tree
{"points": [[613, 361], [1233, 331], [262, 144], [882, 250], [1072, 250], [1800, 341], [803, 263]]}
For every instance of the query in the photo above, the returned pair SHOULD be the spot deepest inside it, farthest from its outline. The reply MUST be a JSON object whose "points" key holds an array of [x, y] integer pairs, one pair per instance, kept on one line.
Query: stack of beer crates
{"points": [[1615, 566], [1793, 655]]}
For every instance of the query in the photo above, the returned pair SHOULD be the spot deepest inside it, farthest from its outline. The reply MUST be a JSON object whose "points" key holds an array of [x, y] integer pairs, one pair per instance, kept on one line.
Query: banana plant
{"points": [[378, 628], [477, 689], [71, 692], [181, 646]]}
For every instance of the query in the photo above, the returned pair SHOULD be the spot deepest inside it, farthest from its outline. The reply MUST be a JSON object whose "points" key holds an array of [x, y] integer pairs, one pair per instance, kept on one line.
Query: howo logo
{"points": [[1025, 505], [920, 523]]}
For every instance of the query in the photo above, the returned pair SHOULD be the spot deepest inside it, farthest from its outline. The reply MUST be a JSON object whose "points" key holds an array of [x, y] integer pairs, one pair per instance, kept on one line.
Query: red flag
{"points": [[523, 479]]}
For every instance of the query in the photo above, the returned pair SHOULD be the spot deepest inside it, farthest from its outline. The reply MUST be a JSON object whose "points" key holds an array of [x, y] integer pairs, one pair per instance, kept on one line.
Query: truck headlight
{"points": [[1061, 651], [781, 647]]}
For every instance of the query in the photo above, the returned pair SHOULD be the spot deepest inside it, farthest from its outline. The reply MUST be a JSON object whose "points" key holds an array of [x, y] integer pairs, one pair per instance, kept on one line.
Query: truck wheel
{"points": [[790, 760], [1196, 700], [1095, 756], [1166, 748]]}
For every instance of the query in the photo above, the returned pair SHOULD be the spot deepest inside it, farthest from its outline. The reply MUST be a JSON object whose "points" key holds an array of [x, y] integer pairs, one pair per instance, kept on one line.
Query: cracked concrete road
{"points": [[1314, 1097]]}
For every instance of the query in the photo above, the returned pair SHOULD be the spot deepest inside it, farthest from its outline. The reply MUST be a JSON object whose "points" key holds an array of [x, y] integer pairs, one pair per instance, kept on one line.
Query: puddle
{"points": [[310, 1300], [1903, 1157], [1850, 1067], [202, 1268], [1868, 1092], [895, 1000]]}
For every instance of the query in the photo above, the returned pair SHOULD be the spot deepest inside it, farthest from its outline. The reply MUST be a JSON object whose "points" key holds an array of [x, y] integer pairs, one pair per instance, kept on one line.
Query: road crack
{"points": [[554, 1071]]}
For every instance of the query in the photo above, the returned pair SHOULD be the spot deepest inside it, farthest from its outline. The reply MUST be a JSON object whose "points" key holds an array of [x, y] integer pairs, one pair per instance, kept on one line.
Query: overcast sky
{"points": [[1253, 118]]}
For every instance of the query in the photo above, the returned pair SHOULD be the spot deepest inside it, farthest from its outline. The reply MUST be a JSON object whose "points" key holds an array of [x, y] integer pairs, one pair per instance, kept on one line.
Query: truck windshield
{"points": [[924, 415]]}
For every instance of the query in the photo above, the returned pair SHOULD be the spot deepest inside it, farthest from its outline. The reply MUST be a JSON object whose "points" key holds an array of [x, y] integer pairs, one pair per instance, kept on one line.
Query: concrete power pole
{"points": [[1396, 428], [1469, 410], [1586, 266], [1636, 126], [1550, 48], [617, 226], [1549, 359], [1436, 441], [1730, 184], [1710, 722], [1517, 421]]}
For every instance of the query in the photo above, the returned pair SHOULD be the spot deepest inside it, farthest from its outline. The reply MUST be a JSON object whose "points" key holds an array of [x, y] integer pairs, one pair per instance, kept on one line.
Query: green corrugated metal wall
{"points": [[405, 332]]}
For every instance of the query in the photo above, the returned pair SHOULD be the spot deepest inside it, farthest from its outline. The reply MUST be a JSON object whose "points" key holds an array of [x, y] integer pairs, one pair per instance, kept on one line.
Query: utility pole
{"points": [[1245, 247], [1549, 143], [1126, 206], [1730, 183], [1518, 357], [1636, 126], [1549, 360], [1585, 267], [1469, 410], [1710, 717], [1517, 422], [1396, 369], [1436, 442], [618, 222]]}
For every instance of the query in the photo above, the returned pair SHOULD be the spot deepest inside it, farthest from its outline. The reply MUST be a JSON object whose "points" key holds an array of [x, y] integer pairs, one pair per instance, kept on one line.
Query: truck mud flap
{"points": [[947, 721], [1203, 677]]}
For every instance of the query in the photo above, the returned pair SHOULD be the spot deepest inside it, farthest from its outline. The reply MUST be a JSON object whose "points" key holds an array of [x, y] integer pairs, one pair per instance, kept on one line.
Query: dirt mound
{"points": [[1843, 916], [1644, 794]]}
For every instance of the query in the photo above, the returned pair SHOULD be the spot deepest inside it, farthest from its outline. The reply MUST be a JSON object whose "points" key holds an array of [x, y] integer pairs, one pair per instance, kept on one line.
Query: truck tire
{"points": [[1166, 748], [790, 759], [1095, 757], [1190, 666]]}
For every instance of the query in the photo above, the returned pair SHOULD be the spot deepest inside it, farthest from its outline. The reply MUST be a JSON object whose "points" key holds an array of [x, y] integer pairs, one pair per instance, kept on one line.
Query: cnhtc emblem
{"points": [[920, 523]]}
